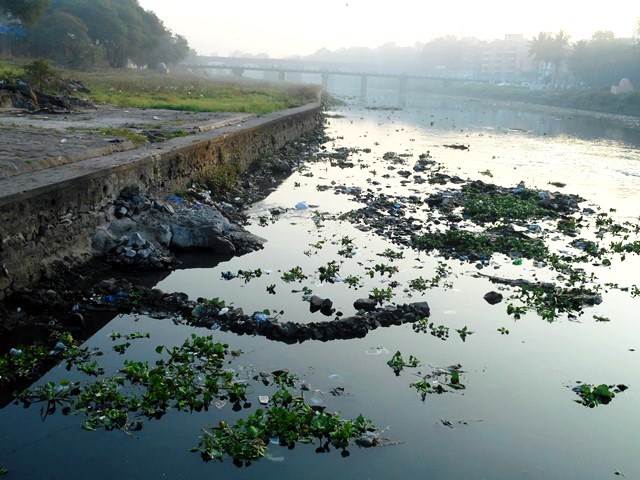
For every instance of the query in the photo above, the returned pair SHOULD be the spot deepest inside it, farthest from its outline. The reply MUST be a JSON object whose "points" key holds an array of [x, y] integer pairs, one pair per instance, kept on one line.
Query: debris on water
{"points": [[271, 458], [220, 404], [446, 423], [228, 275], [15, 352], [315, 398], [457, 146], [492, 297], [366, 441], [135, 426], [517, 261], [376, 351], [263, 399], [302, 206], [338, 392]]}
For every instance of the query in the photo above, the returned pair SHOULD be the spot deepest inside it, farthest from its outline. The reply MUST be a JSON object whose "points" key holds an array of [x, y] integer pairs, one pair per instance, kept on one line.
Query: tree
{"points": [[558, 54], [62, 37], [604, 60], [128, 32], [540, 49], [28, 11]]}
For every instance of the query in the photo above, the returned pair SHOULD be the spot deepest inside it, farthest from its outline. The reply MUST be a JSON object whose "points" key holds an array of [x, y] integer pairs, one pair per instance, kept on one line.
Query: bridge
{"points": [[283, 68]]}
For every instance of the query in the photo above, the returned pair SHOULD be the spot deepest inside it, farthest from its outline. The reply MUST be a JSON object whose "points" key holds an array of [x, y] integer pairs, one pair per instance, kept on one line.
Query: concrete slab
{"points": [[34, 142]]}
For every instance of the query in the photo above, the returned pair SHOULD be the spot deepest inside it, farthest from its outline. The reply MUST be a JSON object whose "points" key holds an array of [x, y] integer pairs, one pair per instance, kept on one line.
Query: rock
{"points": [[136, 241], [327, 307], [315, 303], [200, 237], [281, 166], [129, 192], [493, 297], [366, 304]]}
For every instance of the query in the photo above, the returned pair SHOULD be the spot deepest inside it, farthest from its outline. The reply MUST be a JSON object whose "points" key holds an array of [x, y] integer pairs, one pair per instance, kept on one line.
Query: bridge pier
{"points": [[402, 89], [325, 80], [363, 87]]}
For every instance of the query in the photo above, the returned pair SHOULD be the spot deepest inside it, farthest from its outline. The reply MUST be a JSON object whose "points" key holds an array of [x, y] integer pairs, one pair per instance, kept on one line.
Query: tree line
{"points": [[82, 33], [551, 59]]}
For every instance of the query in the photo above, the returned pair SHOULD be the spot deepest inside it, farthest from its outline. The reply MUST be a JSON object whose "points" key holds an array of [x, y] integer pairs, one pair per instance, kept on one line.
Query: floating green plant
{"points": [[397, 363], [290, 420], [592, 396]]}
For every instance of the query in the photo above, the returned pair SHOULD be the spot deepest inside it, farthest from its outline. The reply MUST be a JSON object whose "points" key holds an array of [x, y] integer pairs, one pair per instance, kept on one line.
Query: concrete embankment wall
{"points": [[49, 216]]}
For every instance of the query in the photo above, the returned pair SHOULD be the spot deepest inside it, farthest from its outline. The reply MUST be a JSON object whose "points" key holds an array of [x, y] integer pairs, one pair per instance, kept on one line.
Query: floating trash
{"points": [[271, 458], [220, 404], [302, 206], [263, 399], [315, 399], [376, 351]]}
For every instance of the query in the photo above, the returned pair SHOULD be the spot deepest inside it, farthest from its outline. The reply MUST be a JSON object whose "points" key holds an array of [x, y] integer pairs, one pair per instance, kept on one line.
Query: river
{"points": [[516, 418]]}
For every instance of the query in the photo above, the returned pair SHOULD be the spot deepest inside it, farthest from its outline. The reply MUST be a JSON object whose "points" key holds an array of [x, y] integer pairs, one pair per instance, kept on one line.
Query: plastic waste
{"points": [[517, 261], [271, 458], [260, 317], [15, 352], [302, 206], [175, 199], [108, 299], [376, 351]]}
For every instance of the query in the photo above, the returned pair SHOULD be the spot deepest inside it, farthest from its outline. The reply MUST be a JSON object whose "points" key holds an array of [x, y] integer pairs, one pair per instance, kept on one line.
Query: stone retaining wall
{"points": [[54, 221]]}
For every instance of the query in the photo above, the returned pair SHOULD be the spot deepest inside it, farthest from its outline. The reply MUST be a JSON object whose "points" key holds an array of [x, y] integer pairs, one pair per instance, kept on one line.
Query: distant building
{"points": [[505, 60], [624, 86]]}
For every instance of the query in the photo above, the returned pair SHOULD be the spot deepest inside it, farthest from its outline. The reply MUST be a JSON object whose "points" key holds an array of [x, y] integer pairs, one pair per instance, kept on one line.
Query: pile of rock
{"points": [[135, 251], [144, 230]]}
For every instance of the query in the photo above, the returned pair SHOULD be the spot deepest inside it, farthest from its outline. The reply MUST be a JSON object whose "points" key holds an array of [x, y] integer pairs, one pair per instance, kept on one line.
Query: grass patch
{"points": [[147, 89], [221, 179], [136, 138]]}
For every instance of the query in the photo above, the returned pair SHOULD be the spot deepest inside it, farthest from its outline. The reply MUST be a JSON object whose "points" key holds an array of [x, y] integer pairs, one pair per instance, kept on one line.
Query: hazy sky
{"points": [[287, 27]]}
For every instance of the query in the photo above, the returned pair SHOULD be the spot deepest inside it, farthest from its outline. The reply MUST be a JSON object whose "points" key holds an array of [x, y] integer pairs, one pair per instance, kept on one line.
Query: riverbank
{"points": [[51, 205], [595, 102]]}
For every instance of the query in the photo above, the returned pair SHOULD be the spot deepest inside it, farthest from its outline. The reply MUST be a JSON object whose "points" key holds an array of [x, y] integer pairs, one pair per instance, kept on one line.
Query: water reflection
{"points": [[515, 419]]}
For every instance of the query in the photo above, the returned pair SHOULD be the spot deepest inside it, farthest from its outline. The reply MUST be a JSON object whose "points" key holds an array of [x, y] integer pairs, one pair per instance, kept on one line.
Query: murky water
{"points": [[516, 418]]}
